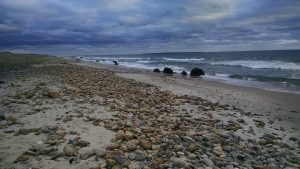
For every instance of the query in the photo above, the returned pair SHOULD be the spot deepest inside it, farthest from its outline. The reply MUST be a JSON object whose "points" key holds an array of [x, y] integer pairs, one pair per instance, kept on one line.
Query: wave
{"points": [[184, 60], [145, 61], [113, 58], [260, 64]]}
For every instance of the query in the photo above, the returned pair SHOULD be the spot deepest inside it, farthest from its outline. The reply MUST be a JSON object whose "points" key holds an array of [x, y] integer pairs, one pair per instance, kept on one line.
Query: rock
{"points": [[209, 162], [46, 150], [67, 118], [139, 155], [145, 144], [2, 117], [9, 130], [259, 123], [70, 150], [52, 95], [110, 163], [86, 154], [29, 152], [24, 131], [197, 72], [38, 147], [21, 158], [192, 147], [131, 156], [100, 152], [130, 145], [82, 143], [218, 151], [168, 71], [118, 158], [180, 162], [57, 155], [183, 73], [113, 146], [156, 70], [115, 62]]}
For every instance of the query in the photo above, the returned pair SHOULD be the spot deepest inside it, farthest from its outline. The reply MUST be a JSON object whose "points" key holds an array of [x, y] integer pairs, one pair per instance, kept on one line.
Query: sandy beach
{"points": [[70, 114]]}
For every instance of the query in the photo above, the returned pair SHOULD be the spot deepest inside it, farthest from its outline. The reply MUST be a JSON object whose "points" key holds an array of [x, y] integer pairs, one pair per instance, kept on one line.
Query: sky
{"points": [[77, 27]]}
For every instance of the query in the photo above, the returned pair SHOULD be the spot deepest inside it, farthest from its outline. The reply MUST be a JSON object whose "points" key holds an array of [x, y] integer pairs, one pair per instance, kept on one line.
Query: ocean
{"points": [[271, 70]]}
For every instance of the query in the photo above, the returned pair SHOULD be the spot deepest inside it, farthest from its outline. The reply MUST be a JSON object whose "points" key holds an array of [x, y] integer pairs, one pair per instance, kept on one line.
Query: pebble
{"points": [[86, 153], [70, 150], [209, 162], [47, 150], [130, 145], [139, 155], [180, 162], [100, 152], [145, 144]]}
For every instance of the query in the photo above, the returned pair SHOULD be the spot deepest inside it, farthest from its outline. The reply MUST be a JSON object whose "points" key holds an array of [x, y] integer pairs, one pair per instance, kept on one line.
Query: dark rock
{"points": [[115, 62], [2, 82], [197, 72], [183, 73], [156, 70], [2, 117], [168, 71]]}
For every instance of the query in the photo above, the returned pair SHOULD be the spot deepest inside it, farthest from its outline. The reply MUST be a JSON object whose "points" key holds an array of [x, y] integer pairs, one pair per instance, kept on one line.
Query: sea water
{"points": [[272, 70]]}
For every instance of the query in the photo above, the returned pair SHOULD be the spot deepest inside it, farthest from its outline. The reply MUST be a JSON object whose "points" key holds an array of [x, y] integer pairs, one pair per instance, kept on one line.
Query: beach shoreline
{"points": [[103, 116]]}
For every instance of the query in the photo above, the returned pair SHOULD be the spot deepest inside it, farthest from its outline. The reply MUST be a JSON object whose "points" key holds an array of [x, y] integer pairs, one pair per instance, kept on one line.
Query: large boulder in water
{"points": [[197, 72], [115, 62], [168, 71], [156, 70], [183, 73]]}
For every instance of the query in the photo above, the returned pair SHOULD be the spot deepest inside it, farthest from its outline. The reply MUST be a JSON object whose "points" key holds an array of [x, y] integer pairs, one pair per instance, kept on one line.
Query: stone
{"points": [[86, 153], [115, 62], [209, 162], [100, 152], [139, 155], [21, 158], [29, 152], [118, 158], [183, 73], [82, 143], [168, 71], [156, 70], [145, 144], [218, 151], [9, 130], [180, 162], [131, 156], [46, 150], [197, 72], [192, 147], [70, 150], [113, 146], [130, 145], [67, 118], [38, 147]]}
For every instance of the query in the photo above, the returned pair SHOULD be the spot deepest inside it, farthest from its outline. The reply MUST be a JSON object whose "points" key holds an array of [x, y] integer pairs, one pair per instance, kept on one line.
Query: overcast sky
{"points": [[69, 27]]}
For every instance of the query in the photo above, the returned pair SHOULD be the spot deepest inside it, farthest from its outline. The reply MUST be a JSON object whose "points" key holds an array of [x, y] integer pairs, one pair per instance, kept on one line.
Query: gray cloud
{"points": [[135, 26]]}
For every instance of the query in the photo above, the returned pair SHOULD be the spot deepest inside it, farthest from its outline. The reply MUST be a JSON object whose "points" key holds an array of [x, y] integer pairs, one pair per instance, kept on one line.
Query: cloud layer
{"points": [[135, 26]]}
